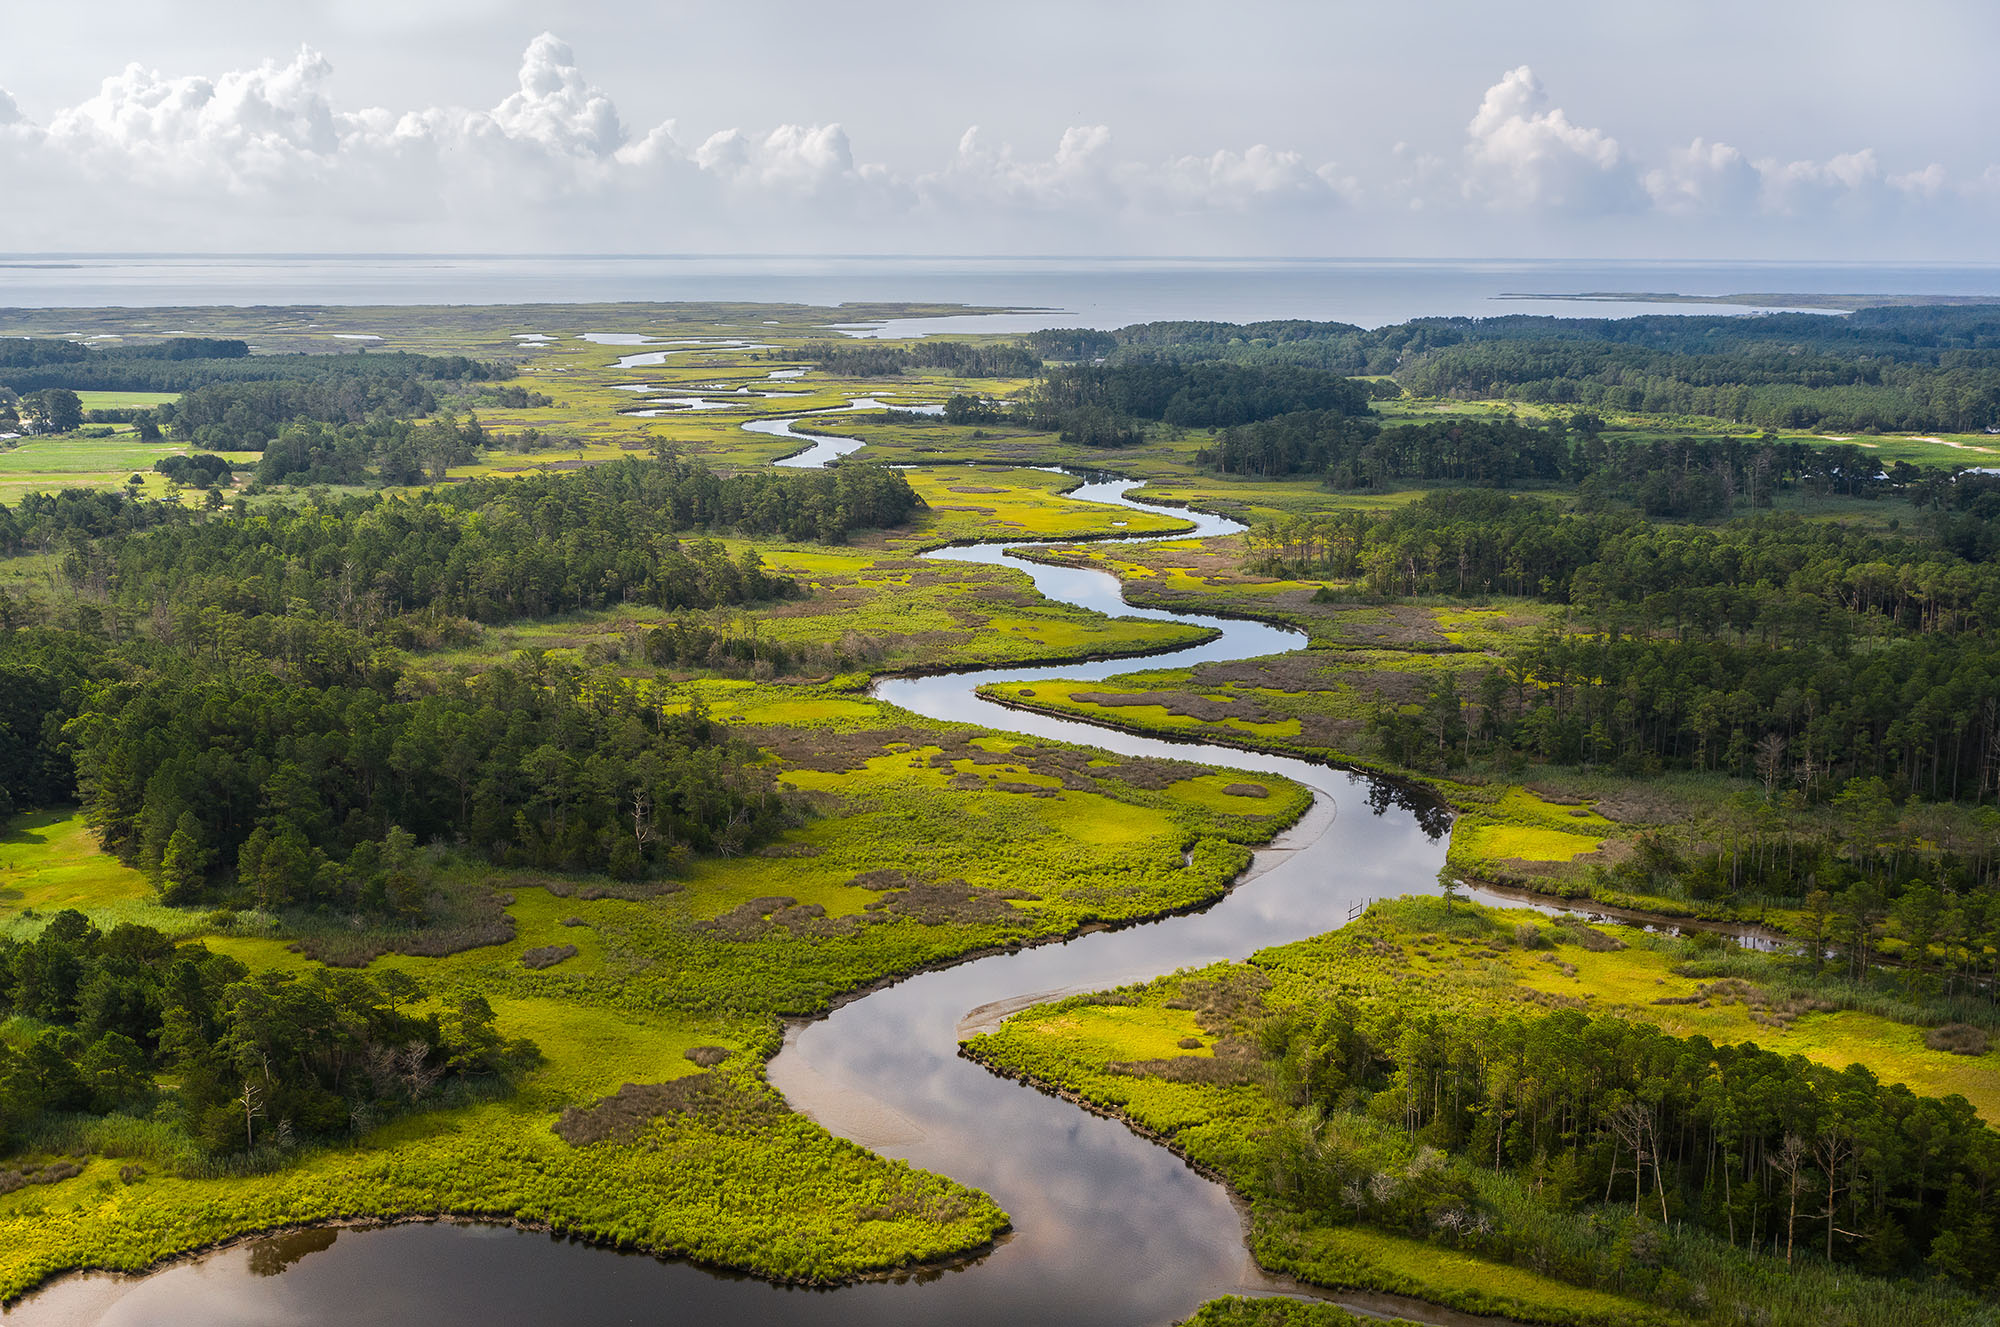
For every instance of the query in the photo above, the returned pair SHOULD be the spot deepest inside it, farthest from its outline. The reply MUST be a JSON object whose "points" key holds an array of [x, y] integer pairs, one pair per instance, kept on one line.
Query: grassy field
{"points": [[125, 400]]}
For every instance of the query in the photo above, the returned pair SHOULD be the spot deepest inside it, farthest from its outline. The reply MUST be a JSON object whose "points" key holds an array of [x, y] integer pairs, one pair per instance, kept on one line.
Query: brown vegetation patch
{"points": [[1247, 790], [547, 956], [1386, 686], [1229, 1004], [49, 1173], [887, 878], [1296, 673], [706, 1056], [975, 488], [762, 917], [716, 1102], [788, 848], [1395, 627], [950, 902], [591, 888], [1957, 1039], [1764, 1008], [843, 752], [1576, 931], [1186, 704], [457, 919]]}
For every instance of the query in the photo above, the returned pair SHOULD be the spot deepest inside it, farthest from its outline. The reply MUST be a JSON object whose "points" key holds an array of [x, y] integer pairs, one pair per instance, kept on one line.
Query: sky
{"points": [[1755, 129]]}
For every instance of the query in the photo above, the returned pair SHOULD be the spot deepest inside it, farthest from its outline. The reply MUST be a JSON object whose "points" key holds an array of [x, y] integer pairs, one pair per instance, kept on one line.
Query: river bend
{"points": [[1110, 1230]]}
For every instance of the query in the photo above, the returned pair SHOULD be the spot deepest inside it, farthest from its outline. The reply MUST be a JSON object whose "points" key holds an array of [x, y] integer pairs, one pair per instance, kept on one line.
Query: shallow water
{"points": [[1109, 1228], [824, 449]]}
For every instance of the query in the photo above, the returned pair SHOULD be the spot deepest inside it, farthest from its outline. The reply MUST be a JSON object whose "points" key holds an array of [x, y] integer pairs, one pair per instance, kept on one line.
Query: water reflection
{"points": [[269, 1257]]}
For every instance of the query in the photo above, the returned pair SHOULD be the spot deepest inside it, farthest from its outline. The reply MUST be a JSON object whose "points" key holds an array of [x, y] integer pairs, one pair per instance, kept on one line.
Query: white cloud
{"points": [[1794, 188], [1523, 153], [1926, 184], [557, 107], [1259, 176], [1077, 174], [265, 157], [1704, 177]]}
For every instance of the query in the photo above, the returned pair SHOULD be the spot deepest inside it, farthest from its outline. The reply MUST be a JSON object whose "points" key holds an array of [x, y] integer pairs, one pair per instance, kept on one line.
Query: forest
{"points": [[187, 364], [1913, 369], [1765, 1150], [255, 1061]]}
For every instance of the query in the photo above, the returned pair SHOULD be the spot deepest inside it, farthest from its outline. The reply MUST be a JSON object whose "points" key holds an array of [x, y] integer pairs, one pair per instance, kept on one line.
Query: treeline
{"points": [[1779, 389], [128, 1022], [188, 364], [303, 797], [304, 584], [401, 451], [958, 358], [1774, 579], [43, 521], [35, 353], [1919, 368], [1351, 451], [246, 416], [1102, 405], [1852, 655], [1679, 478], [1770, 1152]]}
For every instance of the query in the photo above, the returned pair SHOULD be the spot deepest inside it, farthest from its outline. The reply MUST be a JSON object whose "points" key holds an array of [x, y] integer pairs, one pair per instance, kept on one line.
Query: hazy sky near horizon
{"points": [[1766, 130]]}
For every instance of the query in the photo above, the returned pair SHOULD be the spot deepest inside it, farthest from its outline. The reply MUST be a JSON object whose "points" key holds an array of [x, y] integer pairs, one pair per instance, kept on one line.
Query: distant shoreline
{"points": [[1760, 300]]}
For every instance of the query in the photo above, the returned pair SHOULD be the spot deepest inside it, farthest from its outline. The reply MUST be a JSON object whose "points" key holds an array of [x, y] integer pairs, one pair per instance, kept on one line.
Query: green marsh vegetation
{"points": [[300, 731], [1502, 1092], [1697, 559]]}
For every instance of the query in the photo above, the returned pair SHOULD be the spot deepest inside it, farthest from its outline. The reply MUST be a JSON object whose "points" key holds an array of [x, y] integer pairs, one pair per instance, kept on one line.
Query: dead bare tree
{"points": [[252, 1100], [1788, 1161]]}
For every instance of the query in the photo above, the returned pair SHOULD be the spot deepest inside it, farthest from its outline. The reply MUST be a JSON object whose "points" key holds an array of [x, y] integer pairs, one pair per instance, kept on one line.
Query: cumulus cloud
{"points": [[1259, 176], [1077, 173], [265, 157], [1704, 177], [1524, 153], [1801, 187], [557, 107]]}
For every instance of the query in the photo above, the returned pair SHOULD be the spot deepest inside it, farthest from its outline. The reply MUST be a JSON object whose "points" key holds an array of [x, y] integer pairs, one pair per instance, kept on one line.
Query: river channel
{"points": [[1110, 1229]]}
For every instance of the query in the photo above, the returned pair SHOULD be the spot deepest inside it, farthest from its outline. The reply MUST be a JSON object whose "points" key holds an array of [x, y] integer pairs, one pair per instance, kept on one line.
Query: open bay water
{"points": [[1058, 291]]}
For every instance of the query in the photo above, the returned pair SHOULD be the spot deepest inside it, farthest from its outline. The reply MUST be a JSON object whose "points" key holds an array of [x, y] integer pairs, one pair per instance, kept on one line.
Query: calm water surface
{"points": [[1064, 292]]}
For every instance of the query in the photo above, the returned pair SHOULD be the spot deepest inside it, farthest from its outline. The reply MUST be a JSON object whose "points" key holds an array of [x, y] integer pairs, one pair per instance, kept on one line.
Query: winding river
{"points": [[1109, 1228]]}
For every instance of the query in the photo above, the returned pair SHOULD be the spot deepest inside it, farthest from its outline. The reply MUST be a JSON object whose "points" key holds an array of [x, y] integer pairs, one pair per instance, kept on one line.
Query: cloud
{"points": [[265, 157], [1259, 176], [1704, 178], [557, 107], [1523, 154], [1078, 173], [793, 158], [1797, 188]]}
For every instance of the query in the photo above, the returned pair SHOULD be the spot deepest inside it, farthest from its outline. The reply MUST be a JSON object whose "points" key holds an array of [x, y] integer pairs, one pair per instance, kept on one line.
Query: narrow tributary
{"points": [[1109, 1228]]}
